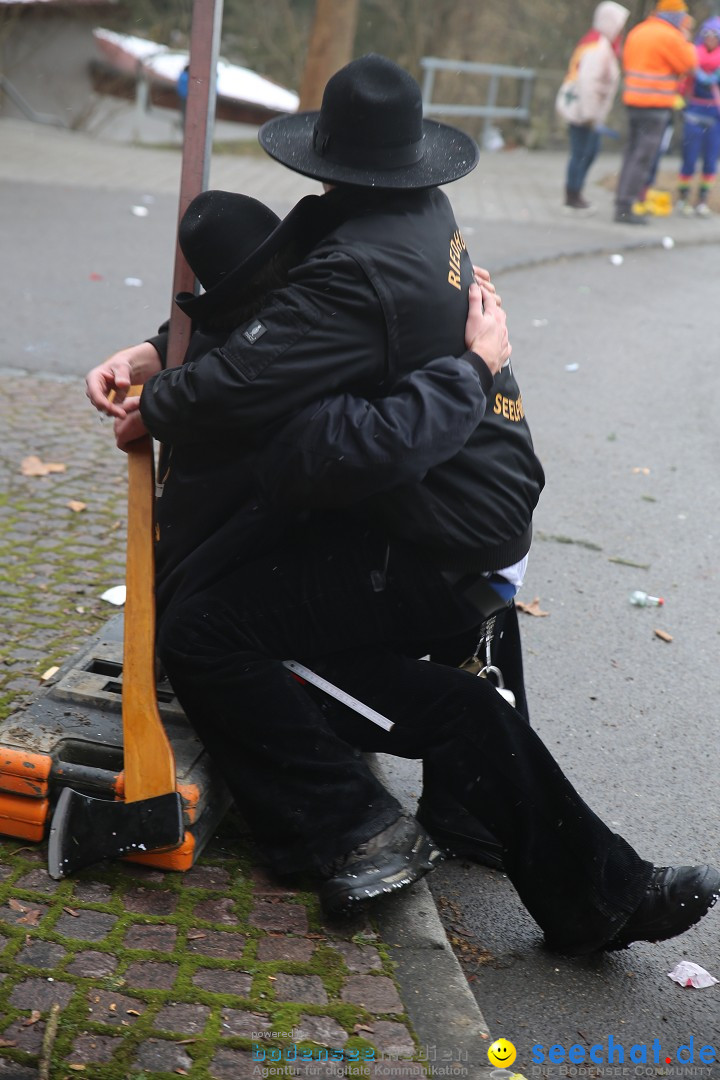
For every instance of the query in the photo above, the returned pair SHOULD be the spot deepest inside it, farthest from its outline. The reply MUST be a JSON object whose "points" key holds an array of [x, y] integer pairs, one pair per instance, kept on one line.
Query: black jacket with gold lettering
{"points": [[376, 300]]}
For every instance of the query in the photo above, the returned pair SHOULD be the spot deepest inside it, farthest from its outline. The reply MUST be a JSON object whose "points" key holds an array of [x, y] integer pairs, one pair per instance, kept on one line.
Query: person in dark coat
{"points": [[338, 452], [362, 596]]}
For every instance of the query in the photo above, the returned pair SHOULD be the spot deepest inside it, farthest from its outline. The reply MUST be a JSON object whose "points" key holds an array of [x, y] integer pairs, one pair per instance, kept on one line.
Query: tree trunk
{"points": [[330, 48]]}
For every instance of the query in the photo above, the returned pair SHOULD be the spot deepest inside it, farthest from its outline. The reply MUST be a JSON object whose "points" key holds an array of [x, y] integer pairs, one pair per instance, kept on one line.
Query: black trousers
{"points": [[294, 763], [646, 128]]}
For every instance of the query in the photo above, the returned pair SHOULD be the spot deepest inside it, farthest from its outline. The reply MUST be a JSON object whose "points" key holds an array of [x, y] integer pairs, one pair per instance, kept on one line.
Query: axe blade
{"points": [[86, 830]]}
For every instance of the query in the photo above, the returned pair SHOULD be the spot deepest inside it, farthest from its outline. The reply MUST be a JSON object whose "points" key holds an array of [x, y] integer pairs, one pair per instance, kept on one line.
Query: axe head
{"points": [[86, 830]]}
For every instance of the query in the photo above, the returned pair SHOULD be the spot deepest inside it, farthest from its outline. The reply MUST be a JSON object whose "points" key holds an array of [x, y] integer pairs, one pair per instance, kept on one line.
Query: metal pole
{"points": [[491, 103], [428, 83], [197, 149]]}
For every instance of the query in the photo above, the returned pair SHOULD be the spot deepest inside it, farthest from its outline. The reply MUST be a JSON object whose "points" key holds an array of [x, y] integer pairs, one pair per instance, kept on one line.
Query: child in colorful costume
{"points": [[701, 130]]}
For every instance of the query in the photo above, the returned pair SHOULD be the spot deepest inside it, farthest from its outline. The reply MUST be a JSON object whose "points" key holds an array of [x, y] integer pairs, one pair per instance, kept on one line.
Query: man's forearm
{"points": [[345, 448]]}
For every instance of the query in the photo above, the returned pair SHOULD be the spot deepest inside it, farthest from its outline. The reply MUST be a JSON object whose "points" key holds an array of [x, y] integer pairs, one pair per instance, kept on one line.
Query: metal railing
{"points": [[490, 111], [25, 107]]}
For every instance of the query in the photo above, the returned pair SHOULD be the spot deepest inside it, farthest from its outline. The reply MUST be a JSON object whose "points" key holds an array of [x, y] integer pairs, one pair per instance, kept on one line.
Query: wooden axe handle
{"points": [[149, 757]]}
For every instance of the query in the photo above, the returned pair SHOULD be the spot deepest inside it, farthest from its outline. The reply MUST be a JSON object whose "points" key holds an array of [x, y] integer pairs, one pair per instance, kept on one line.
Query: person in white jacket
{"points": [[587, 94]]}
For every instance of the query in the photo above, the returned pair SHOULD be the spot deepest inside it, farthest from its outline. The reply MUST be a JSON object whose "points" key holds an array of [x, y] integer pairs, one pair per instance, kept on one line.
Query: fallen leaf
{"points": [[643, 471], [32, 1018], [7, 1042], [75, 914], [49, 673], [33, 466], [112, 1007], [32, 918], [76, 506], [663, 635], [132, 1012], [195, 935], [15, 905], [533, 608], [77, 1068]]}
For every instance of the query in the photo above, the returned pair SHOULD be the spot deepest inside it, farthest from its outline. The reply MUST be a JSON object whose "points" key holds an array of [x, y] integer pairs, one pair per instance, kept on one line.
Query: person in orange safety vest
{"points": [[656, 58]]}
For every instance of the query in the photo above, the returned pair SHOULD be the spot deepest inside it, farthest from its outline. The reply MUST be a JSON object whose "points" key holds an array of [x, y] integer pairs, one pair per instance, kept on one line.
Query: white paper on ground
{"points": [[689, 974], [116, 595]]}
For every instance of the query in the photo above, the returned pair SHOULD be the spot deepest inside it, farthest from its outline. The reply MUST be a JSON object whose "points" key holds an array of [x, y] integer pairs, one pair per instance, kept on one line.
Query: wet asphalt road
{"points": [[630, 444], [87, 276]]}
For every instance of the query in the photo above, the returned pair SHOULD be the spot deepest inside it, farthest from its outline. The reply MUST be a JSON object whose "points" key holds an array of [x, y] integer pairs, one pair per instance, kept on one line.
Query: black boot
{"points": [[626, 216], [575, 201], [392, 860], [676, 899]]}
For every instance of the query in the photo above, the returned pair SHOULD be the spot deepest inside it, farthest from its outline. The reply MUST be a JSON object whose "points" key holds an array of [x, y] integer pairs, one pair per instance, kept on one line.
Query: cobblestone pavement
{"points": [[189, 974], [154, 974], [62, 535]]}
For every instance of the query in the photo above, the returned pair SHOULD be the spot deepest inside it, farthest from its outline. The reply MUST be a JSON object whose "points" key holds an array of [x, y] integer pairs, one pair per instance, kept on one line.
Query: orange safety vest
{"points": [[655, 58]]}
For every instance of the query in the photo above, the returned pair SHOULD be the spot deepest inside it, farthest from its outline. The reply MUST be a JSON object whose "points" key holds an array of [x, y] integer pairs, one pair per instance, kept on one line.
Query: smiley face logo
{"points": [[502, 1053]]}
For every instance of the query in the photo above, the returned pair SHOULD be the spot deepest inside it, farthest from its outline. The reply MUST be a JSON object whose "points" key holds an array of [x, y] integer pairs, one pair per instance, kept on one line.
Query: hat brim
{"points": [[448, 155], [228, 291]]}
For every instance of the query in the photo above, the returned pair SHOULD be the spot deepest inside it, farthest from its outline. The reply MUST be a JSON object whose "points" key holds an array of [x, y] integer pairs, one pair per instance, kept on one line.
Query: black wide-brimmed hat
{"points": [[370, 132], [227, 238]]}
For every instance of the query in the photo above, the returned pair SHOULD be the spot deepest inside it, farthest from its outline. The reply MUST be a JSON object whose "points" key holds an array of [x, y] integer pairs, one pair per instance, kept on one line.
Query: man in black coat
{"points": [[359, 596]]}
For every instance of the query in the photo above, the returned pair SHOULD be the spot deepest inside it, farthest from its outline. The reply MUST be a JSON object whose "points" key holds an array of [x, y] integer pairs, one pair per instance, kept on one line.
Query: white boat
{"points": [[242, 94]]}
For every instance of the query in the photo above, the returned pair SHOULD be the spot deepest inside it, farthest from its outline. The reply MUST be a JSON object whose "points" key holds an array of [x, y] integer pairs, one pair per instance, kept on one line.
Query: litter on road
{"points": [[688, 974]]}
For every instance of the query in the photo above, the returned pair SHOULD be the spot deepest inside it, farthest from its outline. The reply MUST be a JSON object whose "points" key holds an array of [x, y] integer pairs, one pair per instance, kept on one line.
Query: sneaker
{"points": [[676, 899], [392, 860], [703, 210], [682, 206], [460, 835]]}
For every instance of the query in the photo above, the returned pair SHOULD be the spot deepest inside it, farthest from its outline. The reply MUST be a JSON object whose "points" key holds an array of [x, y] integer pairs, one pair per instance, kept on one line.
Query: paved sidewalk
{"points": [[165, 974], [519, 187]]}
